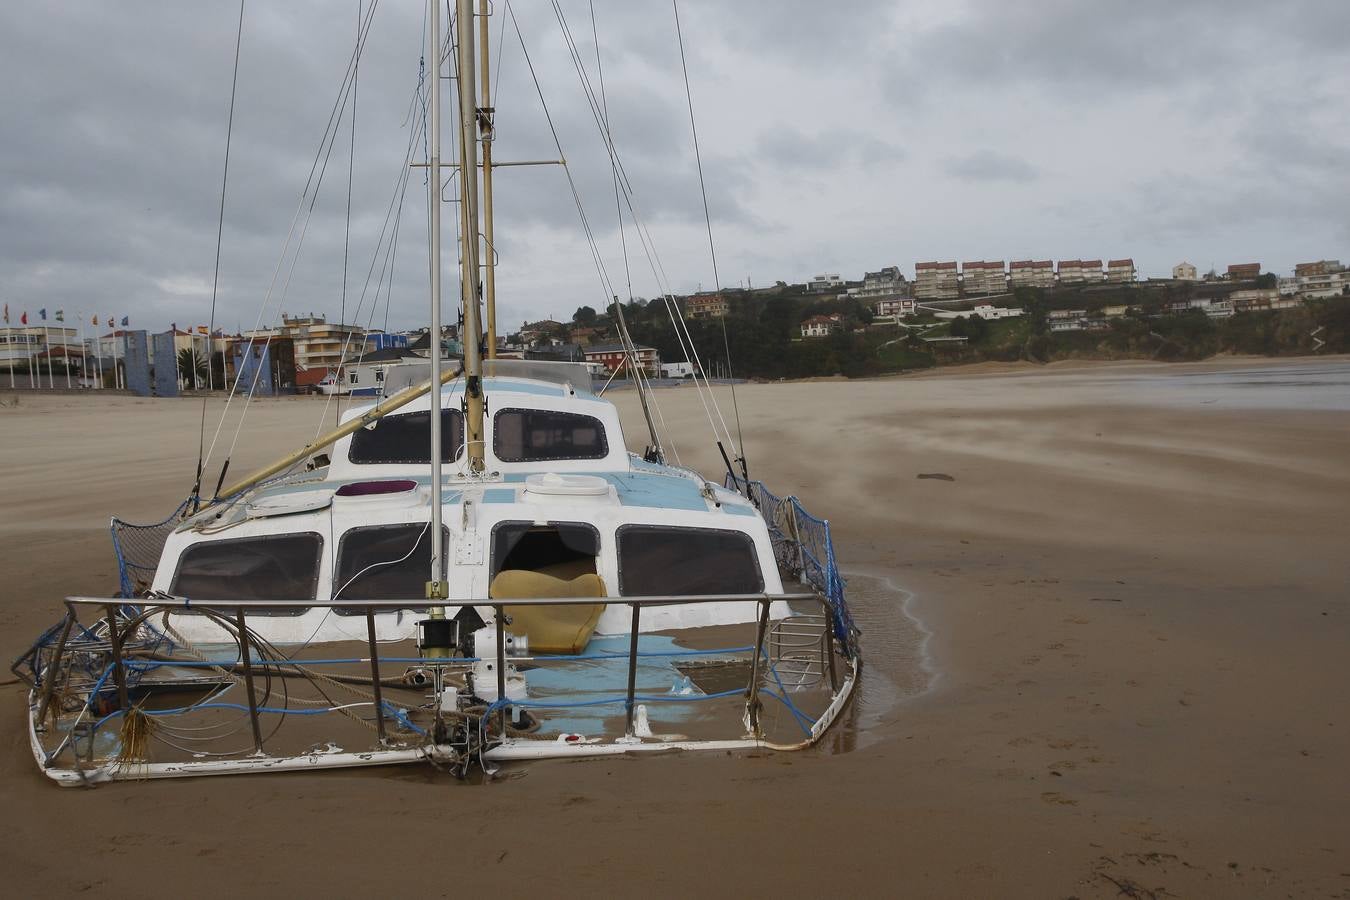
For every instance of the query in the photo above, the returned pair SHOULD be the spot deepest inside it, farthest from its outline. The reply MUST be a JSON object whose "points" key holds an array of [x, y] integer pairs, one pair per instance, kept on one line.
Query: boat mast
{"points": [[437, 589], [468, 195], [485, 120]]}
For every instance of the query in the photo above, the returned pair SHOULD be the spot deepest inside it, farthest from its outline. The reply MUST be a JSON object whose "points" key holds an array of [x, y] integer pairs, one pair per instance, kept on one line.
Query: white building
{"points": [[895, 307], [677, 370], [821, 283], [821, 326], [23, 345], [988, 311], [1184, 271]]}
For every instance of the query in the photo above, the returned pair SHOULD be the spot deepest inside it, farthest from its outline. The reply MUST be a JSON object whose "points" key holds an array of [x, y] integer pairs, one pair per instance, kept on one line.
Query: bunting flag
{"points": [[60, 315], [174, 327], [94, 320], [43, 312], [6, 313], [202, 329], [125, 321], [23, 320]]}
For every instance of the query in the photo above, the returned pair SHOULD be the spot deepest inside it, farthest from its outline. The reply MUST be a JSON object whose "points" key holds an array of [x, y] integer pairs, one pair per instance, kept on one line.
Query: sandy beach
{"points": [[1105, 655]]}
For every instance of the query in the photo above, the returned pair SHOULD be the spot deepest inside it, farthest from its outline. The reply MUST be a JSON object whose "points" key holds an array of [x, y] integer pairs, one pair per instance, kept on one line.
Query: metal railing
{"points": [[123, 622]]}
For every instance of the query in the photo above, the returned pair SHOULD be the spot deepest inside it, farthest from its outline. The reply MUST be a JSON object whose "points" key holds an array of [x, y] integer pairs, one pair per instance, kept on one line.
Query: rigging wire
{"points": [[685, 339], [329, 138], [215, 278], [417, 108], [330, 133], [623, 238], [712, 249]]}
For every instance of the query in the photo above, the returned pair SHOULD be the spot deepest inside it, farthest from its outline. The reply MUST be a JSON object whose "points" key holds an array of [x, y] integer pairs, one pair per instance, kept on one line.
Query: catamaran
{"points": [[472, 569]]}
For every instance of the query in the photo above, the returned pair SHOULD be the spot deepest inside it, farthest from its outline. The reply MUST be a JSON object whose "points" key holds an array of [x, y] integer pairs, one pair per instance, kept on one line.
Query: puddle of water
{"points": [[896, 664]]}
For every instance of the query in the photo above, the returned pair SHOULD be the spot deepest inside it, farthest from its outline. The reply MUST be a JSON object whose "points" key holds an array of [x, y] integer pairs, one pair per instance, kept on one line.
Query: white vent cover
{"points": [[551, 484]]}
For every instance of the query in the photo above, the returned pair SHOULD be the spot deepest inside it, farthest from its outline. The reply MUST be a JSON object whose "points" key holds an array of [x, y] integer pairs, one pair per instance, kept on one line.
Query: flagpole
{"points": [[66, 347], [47, 337], [28, 344]]}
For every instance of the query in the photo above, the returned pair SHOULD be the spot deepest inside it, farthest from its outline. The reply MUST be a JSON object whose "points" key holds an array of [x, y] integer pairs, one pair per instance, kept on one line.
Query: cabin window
{"points": [[384, 562], [271, 567], [656, 560], [562, 549], [533, 435], [406, 438]]}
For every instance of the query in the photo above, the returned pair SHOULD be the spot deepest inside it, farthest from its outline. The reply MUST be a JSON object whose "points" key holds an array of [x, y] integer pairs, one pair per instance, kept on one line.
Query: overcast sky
{"points": [[836, 137]]}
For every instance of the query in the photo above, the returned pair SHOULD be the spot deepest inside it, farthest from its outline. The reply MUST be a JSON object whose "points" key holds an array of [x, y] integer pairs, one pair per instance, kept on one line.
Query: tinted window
{"points": [[657, 560], [276, 567], [383, 562], [530, 435], [406, 438]]}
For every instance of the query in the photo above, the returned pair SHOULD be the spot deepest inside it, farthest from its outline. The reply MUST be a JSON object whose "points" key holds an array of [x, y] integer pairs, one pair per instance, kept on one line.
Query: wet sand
{"points": [[1110, 654]]}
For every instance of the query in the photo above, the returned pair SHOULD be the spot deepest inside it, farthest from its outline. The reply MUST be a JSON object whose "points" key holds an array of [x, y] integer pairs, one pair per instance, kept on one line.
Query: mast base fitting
{"points": [[438, 590], [437, 634]]}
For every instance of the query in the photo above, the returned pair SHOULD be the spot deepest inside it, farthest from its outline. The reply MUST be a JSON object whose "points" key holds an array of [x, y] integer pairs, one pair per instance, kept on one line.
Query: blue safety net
{"points": [[138, 548], [803, 545]]}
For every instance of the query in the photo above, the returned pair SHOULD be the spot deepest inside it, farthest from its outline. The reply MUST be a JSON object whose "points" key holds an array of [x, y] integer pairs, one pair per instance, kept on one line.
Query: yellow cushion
{"points": [[550, 629]]}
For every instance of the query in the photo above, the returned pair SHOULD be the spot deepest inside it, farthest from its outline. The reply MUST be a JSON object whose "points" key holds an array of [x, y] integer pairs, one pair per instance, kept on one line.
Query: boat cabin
{"points": [[563, 509]]}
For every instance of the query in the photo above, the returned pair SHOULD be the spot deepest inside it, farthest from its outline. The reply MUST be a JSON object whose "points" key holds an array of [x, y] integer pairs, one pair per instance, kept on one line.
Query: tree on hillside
{"points": [[585, 316]]}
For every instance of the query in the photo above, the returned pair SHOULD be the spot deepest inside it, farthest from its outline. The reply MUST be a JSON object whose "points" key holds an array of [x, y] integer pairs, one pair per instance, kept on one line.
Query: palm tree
{"points": [[192, 367]]}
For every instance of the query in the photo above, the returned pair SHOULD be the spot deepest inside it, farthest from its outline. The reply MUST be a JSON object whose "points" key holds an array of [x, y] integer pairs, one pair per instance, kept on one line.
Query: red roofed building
{"points": [[821, 326], [983, 278], [936, 281], [1032, 273], [1120, 271], [706, 306]]}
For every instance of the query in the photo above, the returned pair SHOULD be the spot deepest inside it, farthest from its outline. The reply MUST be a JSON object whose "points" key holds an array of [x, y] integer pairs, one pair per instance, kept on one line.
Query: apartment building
{"points": [[1184, 271], [1121, 271], [1326, 278], [888, 282], [936, 281], [1243, 271], [984, 278], [706, 306], [317, 343], [1032, 273]]}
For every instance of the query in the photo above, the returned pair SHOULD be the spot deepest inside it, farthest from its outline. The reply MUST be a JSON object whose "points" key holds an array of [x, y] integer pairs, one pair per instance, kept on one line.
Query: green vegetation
{"points": [[763, 331]]}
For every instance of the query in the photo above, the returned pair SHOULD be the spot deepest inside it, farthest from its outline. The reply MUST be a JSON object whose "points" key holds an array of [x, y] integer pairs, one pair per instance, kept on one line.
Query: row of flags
{"points": [[60, 316]]}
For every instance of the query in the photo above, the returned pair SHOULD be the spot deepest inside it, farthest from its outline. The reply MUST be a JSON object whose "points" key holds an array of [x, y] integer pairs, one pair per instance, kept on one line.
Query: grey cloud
{"points": [[988, 165]]}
